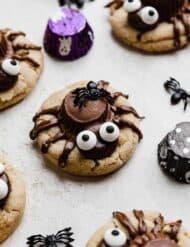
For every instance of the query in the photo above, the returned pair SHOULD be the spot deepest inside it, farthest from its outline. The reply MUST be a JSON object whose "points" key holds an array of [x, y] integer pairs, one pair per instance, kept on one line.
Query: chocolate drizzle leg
{"points": [[69, 146], [158, 223], [177, 41], [124, 220], [142, 225], [85, 108]]}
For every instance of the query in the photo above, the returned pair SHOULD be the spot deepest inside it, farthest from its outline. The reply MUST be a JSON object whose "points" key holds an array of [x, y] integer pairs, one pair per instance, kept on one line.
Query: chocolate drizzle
{"points": [[71, 119], [144, 237]]}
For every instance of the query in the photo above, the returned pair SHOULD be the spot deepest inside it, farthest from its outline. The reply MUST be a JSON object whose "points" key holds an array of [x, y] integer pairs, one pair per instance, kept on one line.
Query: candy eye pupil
{"points": [[110, 129], [13, 62], [115, 233], [151, 13], [130, 1], [85, 138]]}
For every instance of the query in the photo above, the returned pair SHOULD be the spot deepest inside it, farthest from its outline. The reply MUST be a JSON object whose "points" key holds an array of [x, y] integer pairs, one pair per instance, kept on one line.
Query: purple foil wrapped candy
{"points": [[68, 35]]}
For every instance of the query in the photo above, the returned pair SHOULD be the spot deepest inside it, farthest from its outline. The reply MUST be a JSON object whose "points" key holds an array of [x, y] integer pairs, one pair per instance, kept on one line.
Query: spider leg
{"points": [[176, 31], [103, 84], [69, 146], [80, 98], [174, 227], [117, 3], [27, 59], [123, 109], [52, 111], [46, 145], [46, 124], [65, 236], [66, 231], [172, 84], [36, 239], [158, 224], [26, 47], [126, 123], [115, 95], [13, 35], [185, 104]]}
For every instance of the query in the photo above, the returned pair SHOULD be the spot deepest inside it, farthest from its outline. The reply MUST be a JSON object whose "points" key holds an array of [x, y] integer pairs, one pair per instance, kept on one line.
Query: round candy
{"points": [[3, 189], [68, 36], [11, 67], [86, 140], [174, 153], [149, 15], [132, 5], [115, 237], [109, 132]]}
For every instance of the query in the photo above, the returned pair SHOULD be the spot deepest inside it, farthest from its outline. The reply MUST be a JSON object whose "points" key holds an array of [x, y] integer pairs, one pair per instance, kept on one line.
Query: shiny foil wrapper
{"points": [[172, 164], [68, 35]]}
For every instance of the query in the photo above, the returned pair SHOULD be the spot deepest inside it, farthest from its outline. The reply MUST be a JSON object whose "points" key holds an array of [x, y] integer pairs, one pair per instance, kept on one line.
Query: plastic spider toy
{"points": [[91, 92], [62, 237], [178, 93], [78, 3]]}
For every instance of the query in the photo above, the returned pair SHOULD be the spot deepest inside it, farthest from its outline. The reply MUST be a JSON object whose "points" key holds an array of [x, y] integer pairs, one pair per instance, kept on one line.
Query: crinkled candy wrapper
{"points": [[68, 36]]}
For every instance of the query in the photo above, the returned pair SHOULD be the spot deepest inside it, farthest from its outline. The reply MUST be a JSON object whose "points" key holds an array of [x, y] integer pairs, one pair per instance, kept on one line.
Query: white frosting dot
{"points": [[172, 142], [188, 139], [178, 130], [185, 150], [2, 168], [3, 189]]}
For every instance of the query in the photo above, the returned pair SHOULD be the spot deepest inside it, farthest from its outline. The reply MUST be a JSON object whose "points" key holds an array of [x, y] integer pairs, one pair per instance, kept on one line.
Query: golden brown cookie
{"points": [[12, 200], [139, 228], [87, 129], [20, 66], [151, 26]]}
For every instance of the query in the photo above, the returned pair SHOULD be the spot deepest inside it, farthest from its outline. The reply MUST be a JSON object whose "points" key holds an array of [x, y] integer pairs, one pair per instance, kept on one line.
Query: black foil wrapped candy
{"points": [[174, 153]]}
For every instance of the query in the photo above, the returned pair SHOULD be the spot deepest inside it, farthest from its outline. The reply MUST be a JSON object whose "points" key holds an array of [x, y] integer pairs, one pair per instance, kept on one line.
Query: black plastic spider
{"points": [[62, 237], [91, 92], [78, 3], [179, 93]]}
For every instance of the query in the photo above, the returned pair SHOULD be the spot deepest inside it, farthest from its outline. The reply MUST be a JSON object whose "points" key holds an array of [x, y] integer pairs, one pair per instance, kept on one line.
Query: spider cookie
{"points": [[12, 200], [151, 25], [20, 66], [140, 229], [68, 35], [87, 129], [174, 153]]}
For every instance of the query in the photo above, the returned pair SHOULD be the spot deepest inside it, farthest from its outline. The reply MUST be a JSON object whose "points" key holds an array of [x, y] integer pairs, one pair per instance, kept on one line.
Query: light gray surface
{"points": [[54, 202]]}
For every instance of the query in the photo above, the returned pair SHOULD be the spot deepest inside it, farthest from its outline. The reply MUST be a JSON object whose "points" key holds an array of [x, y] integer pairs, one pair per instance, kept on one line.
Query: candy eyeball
{"points": [[11, 67], [109, 132], [2, 168], [3, 189], [115, 237], [86, 140], [149, 15], [132, 5]]}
